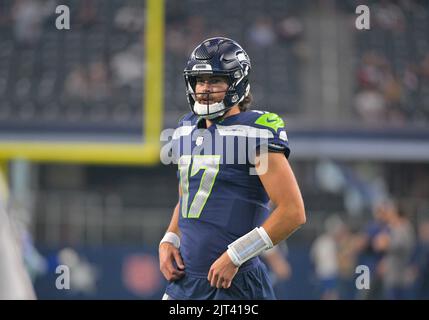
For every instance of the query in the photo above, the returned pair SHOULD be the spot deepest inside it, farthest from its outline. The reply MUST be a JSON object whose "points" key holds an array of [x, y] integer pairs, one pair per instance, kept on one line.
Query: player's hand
{"points": [[167, 255], [222, 272]]}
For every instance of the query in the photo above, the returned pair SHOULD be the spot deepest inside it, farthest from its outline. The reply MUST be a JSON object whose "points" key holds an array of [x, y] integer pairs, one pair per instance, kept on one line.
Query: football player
{"points": [[222, 221]]}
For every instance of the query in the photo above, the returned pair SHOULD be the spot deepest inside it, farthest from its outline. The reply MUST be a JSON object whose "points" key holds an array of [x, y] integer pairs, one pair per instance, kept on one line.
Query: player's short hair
{"points": [[245, 104]]}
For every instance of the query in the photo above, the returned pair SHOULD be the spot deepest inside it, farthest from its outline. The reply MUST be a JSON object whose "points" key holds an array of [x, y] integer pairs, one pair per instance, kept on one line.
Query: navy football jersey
{"points": [[222, 198]]}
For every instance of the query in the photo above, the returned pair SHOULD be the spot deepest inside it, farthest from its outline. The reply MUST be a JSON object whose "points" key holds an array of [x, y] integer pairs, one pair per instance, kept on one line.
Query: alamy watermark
{"points": [[363, 279], [62, 281], [236, 145], [62, 22], [363, 21]]}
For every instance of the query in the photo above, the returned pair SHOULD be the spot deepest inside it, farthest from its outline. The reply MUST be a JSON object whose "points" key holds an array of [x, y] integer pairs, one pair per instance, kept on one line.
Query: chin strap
{"points": [[217, 110]]}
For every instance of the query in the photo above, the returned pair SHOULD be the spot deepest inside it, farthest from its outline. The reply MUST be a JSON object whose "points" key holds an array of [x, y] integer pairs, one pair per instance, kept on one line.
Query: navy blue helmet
{"points": [[221, 57]]}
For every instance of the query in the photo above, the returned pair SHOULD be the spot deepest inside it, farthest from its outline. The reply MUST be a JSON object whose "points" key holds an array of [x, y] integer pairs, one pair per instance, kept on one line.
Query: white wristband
{"points": [[235, 260], [248, 246], [172, 238]]}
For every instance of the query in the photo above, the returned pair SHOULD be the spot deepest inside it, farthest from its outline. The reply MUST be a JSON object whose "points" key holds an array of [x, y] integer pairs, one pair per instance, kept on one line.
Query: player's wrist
{"points": [[248, 246], [171, 237], [233, 257]]}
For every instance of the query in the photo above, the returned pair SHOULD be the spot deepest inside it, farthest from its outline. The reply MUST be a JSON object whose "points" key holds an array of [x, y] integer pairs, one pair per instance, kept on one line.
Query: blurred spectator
{"points": [[175, 41], [4, 16], [87, 13], [262, 33], [347, 248], [393, 93], [130, 18], [400, 246], [370, 72], [92, 84], [410, 79], [83, 274], [423, 100], [422, 262], [195, 31], [372, 244], [290, 29], [76, 85], [370, 106], [99, 82], [425, 67], [324, 254], [279, 267], [389, 16], [127, 66], [380, 95], [28, 16]]}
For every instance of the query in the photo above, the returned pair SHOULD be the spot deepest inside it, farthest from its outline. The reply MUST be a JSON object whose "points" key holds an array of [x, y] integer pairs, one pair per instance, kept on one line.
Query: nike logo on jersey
{"points": [[271, 120]]}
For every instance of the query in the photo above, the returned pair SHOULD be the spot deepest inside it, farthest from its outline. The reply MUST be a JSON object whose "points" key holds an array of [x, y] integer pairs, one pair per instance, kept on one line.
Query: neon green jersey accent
{"points": [[270, 120]]}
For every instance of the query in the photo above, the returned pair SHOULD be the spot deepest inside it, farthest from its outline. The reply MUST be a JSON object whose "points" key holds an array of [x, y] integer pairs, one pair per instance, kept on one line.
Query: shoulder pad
{"points": [[190, 117], [266, 119]]}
